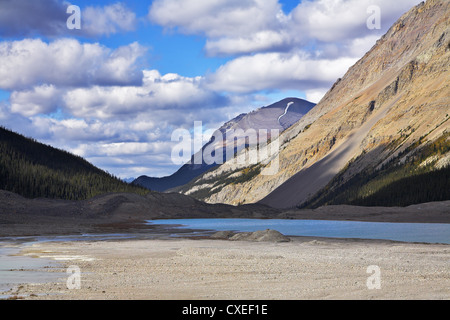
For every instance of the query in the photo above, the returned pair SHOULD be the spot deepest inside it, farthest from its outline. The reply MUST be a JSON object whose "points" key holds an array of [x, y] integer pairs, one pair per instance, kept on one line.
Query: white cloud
{"points": [[236, 26], [108, 19], [71, 131], [257, 42], [267, 71], [330, 20], [315, 95], [158, 92], [66, 62], [41, 99], [343, 21], [360, 46], [118, 149], [249, 26], [216, 18]]}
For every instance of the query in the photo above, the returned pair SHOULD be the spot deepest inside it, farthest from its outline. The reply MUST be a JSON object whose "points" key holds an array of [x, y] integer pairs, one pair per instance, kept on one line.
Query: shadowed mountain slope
{"points": [[383, 113]]}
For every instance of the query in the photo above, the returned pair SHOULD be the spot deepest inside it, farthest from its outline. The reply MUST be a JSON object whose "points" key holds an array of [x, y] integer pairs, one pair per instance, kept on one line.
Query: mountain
{"points": [[32, 169], [280, 115], [129, 180], [379, 136]]}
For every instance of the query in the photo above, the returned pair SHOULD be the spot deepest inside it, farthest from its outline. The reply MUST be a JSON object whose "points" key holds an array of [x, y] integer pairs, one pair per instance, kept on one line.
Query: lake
{"points": [[15, 270], [406, 232]]}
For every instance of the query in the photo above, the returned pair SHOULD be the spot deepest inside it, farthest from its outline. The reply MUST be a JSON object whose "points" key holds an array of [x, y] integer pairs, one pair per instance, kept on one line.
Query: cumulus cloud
{"points": [[344, 20], [42, 99], [108, 20], [49, 18], [216, 18], [117, 149], [315, 95], [158, 92], [237, 26], [258, 42], [266, 71], [249, 26], [67, 62], [330, 21]]}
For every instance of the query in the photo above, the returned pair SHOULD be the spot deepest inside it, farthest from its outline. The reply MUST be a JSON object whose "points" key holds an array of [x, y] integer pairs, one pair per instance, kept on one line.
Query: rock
{"points": [[223, 235], [242, 236], [261, 235]]}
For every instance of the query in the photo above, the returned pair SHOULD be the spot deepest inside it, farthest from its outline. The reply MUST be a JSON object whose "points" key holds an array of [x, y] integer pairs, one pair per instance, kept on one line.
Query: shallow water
{"points": [[406, 232], [16, 269]]}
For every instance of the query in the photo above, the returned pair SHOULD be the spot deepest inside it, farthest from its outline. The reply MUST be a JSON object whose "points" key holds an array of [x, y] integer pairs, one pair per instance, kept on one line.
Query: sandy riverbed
{"points": [[304, 268]]}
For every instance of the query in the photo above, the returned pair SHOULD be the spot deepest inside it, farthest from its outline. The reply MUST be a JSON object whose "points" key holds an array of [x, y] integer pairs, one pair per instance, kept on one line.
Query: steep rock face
{"points": [[280, 116], [399, 91]]}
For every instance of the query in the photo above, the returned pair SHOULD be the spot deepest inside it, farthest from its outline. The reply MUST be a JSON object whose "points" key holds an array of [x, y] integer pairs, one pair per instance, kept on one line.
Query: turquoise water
{"points": [[406, 232]]}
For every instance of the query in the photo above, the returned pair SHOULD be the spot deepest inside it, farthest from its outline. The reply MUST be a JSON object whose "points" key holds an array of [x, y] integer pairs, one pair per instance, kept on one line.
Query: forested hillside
{"points": [[33, 170]]}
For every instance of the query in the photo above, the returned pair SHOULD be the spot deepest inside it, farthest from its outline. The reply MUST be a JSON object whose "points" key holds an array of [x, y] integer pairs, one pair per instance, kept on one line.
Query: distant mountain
{"points": [[280, 115], [36, 170], [380, 136]]}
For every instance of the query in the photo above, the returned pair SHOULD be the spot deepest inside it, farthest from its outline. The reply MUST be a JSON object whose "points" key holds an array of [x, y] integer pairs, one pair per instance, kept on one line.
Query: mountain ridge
{"points": [[266, 117], [400, 86]]}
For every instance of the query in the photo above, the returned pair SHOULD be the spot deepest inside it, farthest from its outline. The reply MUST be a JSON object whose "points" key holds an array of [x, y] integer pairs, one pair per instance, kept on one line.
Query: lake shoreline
{"points": [[17, 225], [126, 212], [404, 232]]}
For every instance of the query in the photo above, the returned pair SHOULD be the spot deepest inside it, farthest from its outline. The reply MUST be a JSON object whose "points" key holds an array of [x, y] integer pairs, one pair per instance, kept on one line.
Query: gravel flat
{"points": [[304, 268]]}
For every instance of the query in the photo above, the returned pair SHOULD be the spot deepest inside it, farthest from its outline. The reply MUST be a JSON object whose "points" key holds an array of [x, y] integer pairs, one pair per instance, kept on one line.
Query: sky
{"points": [[115, 89]]}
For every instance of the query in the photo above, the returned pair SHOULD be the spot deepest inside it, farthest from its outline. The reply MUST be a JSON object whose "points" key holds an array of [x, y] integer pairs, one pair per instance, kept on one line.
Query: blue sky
{"points": [[114, 90]]}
